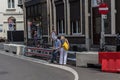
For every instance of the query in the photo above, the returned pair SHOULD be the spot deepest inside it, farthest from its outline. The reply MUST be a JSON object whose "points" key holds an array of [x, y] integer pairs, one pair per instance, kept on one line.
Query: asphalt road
{"points": [[16, 69], [95, 74]]}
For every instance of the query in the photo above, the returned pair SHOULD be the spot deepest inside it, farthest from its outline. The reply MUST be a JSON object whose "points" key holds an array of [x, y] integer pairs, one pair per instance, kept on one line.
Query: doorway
{"points": [[96, 29]]}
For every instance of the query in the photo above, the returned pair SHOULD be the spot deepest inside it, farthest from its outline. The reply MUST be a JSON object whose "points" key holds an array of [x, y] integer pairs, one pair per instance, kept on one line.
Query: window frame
{"points": [[1, 28], [11, 4], [77, 27], [61, 22]]}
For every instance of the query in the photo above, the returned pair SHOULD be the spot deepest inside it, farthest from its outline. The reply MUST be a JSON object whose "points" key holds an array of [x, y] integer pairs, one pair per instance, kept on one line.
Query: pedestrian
{"points": [[63, 51], [56, 50], [35, 38], [53, 35], [38, 44]]}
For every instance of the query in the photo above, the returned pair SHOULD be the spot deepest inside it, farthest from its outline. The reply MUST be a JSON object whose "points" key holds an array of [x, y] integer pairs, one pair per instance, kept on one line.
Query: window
{"points": [[32, 27], [61, 27], [75, 17], [39, 9], [76, 29], [32, 11], [28, 11], [36, 9], [1, 28], [11, 3], [96, 3]]}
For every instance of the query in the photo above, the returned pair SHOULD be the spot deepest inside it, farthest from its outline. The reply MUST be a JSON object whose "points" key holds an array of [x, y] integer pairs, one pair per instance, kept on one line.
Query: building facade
{"points": [[78, 20], [36, 20], [11, 15]]}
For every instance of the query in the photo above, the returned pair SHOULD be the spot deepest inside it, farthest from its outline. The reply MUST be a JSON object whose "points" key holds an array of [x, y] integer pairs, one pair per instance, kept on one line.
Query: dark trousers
{"points": [[54, 56]]}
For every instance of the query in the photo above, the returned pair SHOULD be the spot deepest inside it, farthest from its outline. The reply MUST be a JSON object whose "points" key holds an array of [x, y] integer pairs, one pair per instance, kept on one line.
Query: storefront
{"points": [[109, 24], [78, 20], [36, 21]]}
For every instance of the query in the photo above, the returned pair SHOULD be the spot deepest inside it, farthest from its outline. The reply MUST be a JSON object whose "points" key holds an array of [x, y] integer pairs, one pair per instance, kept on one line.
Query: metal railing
{"points": [[46, 53]]}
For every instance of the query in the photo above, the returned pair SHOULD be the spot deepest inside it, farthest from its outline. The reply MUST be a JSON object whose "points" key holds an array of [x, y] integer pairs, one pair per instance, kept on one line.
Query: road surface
{"points": [[16, 69]]}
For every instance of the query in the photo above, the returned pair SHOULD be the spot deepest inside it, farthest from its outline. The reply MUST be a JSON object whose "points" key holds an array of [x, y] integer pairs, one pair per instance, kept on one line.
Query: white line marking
{"points": [[44, 63]]}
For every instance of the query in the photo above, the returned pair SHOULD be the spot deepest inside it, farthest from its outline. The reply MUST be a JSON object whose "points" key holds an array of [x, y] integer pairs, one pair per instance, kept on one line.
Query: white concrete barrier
{"points": [[20, 49], [7, 47], [16, 48], [12, 48], [84, 58]]}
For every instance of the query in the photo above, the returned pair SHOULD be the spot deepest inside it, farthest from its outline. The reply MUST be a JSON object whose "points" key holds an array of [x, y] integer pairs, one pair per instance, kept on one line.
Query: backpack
{"points": [[66, 46]]}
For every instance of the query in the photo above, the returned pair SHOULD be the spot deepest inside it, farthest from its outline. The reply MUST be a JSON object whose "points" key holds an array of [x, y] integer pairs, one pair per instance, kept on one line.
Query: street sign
{"points": [[103, 9], [11, 26]]}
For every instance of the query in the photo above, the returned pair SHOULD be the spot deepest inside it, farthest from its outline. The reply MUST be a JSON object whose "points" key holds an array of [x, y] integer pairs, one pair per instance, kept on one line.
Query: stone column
{"points": [[68, 17], [54, 14], [50, 15], [25, 21], [65, 14], [48, 18], [113, 20], [86, 26], [81, 16]]}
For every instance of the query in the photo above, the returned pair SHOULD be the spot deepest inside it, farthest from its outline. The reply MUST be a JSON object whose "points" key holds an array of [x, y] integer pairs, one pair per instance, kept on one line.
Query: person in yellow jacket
{"points": [[63, 51]]}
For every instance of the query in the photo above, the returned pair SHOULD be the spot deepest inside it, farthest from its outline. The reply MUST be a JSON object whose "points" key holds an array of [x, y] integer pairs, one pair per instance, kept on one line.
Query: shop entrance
{"points": [[34, 32], [96, 29]]}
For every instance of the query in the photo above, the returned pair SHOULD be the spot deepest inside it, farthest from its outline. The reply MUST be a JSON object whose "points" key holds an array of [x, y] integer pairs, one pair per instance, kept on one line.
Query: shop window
{"points": [[39, 9], [28, 11], [61, 27], [11, 4], [32, 10], [107, 26], [36, 9], [75, 17], [76, 29], [33, 27]]}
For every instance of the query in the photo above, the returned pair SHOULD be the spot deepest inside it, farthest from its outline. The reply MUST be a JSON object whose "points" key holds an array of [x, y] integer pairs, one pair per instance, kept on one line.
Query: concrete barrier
{"points": [[7, 47], [15, 48], [84, 58], [72, 56], [18, 49]]}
